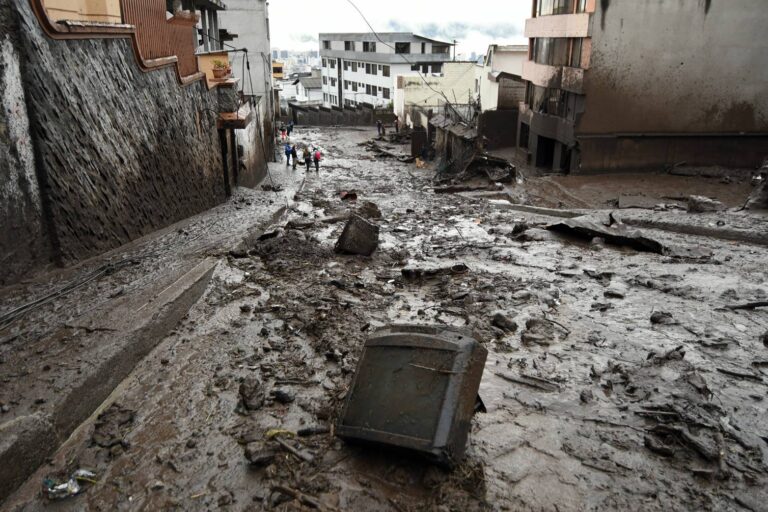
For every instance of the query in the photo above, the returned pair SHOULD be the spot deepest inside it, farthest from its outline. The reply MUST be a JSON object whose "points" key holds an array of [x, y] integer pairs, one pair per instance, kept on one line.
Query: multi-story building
{"points": [[362, 68], [645, 85]]}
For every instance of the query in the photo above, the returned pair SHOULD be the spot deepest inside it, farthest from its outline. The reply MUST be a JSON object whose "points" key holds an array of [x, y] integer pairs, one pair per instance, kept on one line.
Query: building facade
{"points": [[645, 85], [498, 78], [361, 68], [415, 96]]}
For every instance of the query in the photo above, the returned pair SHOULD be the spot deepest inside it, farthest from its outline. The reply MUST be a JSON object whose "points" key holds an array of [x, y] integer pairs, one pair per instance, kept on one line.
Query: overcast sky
{"points": [[295, 24]]}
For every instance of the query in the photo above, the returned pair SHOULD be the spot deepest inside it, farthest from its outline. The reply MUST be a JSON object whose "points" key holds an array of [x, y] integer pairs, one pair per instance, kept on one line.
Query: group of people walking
{"points": [[309, 156]]}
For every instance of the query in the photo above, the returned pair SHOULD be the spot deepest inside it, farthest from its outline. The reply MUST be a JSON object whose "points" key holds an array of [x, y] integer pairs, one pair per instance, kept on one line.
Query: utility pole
{"points": [[455, 42]]}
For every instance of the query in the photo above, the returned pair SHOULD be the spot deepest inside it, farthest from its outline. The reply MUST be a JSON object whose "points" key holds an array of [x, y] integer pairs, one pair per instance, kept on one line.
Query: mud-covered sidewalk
{"points": [[616, 380]]}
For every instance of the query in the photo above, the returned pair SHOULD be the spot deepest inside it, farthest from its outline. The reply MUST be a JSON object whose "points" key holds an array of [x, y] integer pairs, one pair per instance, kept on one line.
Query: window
{"points": [[402, 47], [333, 82], [332, 62], [326, 45], [354, 67], [325, 80], [581, 6], [369, 47], [385, 70], [385, 93], [552, 51], [424, 69], [548, 7], [576, 52], [325, 63], [415, 67], [373, 69], [325, 97], [349, 46], [346, 65], [367, 69], [346, 85], [441, 50], [437, 68], [354, 86], [547, 100], [423, 47], [368, 90]]}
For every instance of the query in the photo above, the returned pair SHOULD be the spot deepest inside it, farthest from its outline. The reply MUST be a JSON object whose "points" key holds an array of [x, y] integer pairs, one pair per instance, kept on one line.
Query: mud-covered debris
{"points": [[503, 322], [369, 210], [427, 272], [348, 195], [531, 381], [283, 396], [542, 331], [662, 318], [701, 204], [657, 446], [55, 489], [312, 431], [586, 396], [258, 455], [537, 235], [246, 308], [758, 199], [406, 371], [359, 237], [613, 232], [764, 339], [271, 188], [697, 381], [252, 393], [676, 354], [112, 426]]}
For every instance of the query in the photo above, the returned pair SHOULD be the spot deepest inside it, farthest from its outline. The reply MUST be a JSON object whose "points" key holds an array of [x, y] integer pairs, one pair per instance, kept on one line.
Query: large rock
{"points": [[701, 204], [359, 237]]}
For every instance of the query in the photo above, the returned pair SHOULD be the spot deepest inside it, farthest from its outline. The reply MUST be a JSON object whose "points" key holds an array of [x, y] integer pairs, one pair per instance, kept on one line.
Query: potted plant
{"points": [[220, 69]]}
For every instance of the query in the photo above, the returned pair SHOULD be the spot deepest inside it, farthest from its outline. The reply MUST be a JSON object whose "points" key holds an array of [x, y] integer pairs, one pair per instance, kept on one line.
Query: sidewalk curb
{"points": [[26, 442]]}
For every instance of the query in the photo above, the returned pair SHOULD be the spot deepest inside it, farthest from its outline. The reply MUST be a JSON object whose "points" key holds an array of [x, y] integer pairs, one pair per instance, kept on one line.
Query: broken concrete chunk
{"points": [[701, 204], [112, 426], [359, 237], [541, 331], [662, 317], [503, 322], [758, 199], [252, 393]]}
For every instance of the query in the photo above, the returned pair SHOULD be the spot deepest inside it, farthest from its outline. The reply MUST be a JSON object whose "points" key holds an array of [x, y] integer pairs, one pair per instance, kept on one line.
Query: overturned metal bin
{"points": [[416, 387]]}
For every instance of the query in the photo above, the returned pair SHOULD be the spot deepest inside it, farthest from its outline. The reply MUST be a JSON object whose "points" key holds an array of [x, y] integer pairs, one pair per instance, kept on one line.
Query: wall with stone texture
{"points": [[23, 241], [121, 152]]}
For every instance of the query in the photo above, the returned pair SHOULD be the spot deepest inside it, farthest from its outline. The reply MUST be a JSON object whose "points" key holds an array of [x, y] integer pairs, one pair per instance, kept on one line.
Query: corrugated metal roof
{"points": [[460, 130]]}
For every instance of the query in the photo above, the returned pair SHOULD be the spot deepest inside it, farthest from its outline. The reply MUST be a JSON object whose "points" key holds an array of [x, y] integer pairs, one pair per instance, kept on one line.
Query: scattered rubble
{"points": [[701, 204]]}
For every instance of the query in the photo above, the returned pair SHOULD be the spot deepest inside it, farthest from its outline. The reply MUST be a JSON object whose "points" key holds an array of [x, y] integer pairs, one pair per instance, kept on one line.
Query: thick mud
{"points": [[595, 399]]}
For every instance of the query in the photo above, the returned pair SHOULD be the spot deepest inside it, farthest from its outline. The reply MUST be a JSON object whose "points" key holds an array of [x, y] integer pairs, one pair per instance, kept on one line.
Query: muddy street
{"points": [[617, 378]]}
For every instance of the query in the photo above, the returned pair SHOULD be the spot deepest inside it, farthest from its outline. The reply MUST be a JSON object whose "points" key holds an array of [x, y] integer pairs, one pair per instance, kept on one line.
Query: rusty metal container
{"points": [[416, 387]]}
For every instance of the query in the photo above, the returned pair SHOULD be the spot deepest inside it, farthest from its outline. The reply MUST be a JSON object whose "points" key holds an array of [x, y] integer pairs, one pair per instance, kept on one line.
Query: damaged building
{"points": [[626, 86]]}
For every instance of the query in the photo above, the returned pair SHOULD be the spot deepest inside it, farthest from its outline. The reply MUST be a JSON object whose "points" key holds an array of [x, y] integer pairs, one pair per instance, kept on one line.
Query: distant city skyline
{"points": [[295, 25]]}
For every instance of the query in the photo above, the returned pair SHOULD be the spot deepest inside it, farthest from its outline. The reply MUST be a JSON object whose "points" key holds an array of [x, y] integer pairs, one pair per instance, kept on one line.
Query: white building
{"points": [[495, 77], [362, 68], [309, 90], [249, 20], [416, 95]]}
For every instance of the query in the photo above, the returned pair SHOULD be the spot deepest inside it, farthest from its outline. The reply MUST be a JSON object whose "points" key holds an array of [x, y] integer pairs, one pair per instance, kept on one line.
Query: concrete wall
{"points": [[23, 239], [117, 153], [677, 66]]}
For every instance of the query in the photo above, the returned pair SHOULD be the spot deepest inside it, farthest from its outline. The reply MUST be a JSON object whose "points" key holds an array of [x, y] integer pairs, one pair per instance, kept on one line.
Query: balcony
{"points": [[561, 25], [555, 77], [549, 126]]}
